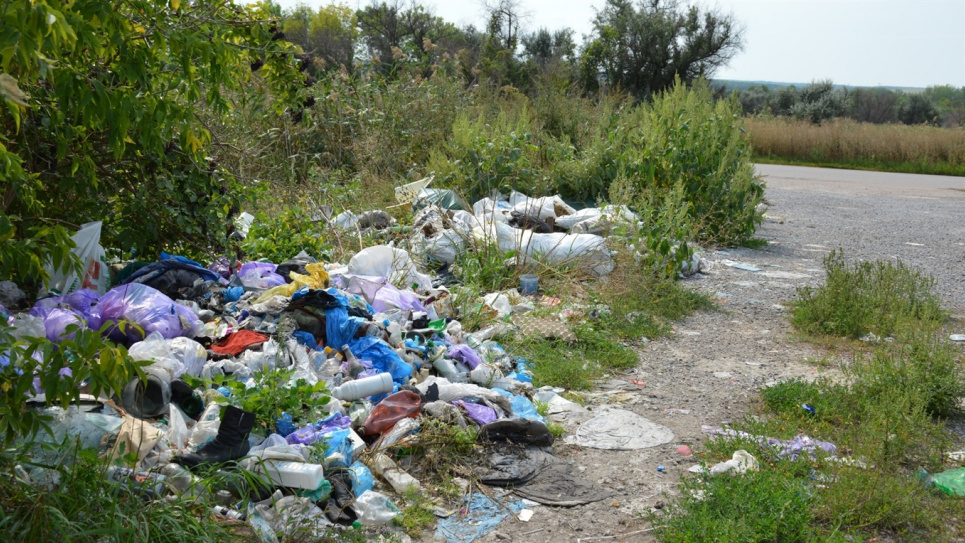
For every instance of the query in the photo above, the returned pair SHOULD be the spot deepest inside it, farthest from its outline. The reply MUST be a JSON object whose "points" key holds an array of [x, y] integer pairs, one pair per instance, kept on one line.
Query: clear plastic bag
{"points": [[374, 509]]}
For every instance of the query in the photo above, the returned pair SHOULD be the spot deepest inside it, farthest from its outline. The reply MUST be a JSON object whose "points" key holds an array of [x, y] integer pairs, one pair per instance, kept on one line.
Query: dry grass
{"points": [[918, 149]]}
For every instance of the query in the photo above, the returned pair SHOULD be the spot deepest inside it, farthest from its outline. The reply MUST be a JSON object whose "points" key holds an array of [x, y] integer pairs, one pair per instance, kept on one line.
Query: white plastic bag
{"points": [[374, 508], [91, 256], [177, 356], [391, 263]]}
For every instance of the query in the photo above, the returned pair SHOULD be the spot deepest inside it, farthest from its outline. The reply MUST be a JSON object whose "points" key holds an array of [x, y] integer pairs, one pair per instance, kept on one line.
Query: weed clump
{"points": [[867, 297]]}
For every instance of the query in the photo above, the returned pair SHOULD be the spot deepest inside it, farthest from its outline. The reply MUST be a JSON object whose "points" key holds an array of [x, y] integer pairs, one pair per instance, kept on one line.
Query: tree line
{"points": [[821, 100], [637, 47]]}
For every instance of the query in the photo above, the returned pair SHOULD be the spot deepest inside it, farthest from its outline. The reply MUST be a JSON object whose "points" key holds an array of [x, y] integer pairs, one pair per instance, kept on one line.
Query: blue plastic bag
{"points": [[382, 357], [362, 479]]}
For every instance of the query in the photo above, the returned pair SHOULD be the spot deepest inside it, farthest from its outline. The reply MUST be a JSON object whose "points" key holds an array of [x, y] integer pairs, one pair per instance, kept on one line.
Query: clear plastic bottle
{"points": [[182, 481], [398, 479]]}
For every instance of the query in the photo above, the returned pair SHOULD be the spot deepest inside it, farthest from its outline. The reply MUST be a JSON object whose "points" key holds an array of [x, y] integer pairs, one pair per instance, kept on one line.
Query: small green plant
{"points": [[60, 370], [867, 297], [556, 429], [416, 514], [86, 507], [443, 449], [272, 395]]}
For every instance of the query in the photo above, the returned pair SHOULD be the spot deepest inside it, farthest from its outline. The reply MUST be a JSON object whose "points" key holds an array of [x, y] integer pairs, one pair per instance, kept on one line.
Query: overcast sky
{"points": [[907, 43]]}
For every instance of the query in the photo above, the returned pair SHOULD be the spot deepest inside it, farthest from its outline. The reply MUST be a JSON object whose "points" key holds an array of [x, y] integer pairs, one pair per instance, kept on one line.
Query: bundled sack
{"points": [[134, 311]]}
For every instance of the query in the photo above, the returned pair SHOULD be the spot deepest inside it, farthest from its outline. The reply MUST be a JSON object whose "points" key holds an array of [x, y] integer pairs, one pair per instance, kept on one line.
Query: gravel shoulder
{"points": [[710, 369]]}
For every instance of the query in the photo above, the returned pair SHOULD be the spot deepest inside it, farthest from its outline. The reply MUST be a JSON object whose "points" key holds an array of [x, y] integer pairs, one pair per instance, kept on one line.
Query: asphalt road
{"points": [[918, 219]]}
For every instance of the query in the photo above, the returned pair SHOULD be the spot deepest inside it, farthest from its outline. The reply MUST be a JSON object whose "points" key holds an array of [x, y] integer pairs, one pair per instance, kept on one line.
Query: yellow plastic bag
{"points": [[317, 279]]}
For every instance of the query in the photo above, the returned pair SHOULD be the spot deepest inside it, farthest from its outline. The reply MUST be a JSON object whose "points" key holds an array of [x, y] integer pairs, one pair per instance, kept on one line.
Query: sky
{"points": [[899, 43]]}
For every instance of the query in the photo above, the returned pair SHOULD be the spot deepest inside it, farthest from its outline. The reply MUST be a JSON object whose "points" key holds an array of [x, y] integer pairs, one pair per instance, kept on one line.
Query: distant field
{"points": [[845, 143]]}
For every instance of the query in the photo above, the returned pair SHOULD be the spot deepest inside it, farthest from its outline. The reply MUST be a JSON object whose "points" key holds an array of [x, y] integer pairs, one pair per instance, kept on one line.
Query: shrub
{"points": [[281, 236], [866, 297]]}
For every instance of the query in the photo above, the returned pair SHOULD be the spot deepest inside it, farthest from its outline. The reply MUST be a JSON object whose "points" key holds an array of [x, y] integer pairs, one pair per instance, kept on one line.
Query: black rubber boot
{"points": [[231, 443], [184, 396]]}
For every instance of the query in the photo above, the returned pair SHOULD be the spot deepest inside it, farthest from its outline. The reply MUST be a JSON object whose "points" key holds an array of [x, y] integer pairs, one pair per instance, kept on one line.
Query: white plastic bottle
{"points": [[386, 468], [360, 388]]}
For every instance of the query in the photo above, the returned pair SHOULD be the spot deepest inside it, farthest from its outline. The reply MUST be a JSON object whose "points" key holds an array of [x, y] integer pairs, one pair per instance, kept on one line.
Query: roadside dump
{"points": [[375, 352]]}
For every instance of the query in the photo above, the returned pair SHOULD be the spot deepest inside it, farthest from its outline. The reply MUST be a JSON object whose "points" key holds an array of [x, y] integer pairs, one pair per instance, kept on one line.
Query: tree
{"points": [[643, 48], [393, 32], [820, 101], [873, 105], [542, 47], [329, 33], [101, 121], [917, 109]]}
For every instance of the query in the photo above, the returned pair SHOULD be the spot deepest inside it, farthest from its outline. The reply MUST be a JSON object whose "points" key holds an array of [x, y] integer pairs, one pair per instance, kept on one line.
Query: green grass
{"points": [[886, 414], [867, 297], [921, 166]]}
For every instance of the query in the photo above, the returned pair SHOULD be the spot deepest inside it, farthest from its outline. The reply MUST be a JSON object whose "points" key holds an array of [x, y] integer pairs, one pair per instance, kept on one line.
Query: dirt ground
{"points": [[714, 363]]}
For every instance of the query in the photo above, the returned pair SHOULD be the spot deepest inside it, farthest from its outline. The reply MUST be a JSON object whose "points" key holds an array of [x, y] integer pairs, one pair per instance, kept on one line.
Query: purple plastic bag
{"points": [[221, 267], [56, 322], [260, 275], [148, 309], [483, 414], [82, 301], [464, 354]]}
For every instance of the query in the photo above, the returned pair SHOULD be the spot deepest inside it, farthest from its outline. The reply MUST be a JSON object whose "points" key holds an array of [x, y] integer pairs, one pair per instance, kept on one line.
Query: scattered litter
{"points": [[957, 337], [480, 516], [789, 448], [723, 374], [741, 462], [684, 450], [739, 265], [675, 411]]}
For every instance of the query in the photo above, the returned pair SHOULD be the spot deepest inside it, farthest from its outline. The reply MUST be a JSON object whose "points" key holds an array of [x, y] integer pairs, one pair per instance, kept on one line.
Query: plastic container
{"points": [[402, 404], [398, 479], [528, 284], [293, 474], [360, 388]]}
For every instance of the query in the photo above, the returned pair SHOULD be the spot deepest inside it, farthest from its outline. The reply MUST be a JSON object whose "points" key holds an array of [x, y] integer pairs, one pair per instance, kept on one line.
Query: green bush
{"points": [[281, 236], [867, 297], [687, 138], [754, 507]]}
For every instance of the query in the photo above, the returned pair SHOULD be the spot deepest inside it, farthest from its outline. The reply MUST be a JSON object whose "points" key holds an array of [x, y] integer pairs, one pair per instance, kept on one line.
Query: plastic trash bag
{"points": [[346, 220], [391, 263], [465, 354], [541, 208], [178, 356], [56, 322], [382, 356], [482, 414], [586, 250], [951, 482], [362, 478], [444, 198], [134, 311], [94, 271], [374, 509], [260, 275]]}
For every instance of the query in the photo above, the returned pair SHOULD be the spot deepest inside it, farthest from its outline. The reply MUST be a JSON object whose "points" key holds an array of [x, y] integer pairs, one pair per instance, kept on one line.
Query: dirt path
{"points": [[716, 361]]}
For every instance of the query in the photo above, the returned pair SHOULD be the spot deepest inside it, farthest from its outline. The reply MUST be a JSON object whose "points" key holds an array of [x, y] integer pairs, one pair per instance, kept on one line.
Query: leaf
{"points": [[11, 92], [175, 4]]}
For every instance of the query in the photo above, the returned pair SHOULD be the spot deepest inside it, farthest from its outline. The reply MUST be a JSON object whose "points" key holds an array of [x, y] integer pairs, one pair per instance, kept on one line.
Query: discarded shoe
{"points": [[231, 443]]}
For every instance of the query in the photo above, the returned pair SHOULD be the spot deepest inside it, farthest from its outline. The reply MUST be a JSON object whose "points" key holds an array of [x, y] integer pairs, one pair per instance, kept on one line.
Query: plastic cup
{"points": [[528, 284]]}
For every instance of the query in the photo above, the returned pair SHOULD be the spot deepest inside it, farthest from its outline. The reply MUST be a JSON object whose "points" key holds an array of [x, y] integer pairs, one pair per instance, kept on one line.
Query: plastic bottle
{"points": [[228, 512], [445, 367], [150, 484], [293, 474], [354, 366], [182, 481], [386, 468], [360, 388], [394, 330], [262, 529]]}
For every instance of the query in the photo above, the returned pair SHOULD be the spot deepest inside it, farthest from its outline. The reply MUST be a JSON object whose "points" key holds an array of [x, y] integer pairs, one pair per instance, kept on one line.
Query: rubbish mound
{"points": [[372, 348]]}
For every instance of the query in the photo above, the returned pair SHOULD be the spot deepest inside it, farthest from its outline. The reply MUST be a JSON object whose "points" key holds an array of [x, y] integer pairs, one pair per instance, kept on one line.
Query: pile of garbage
{"points": [[378, 333]]}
